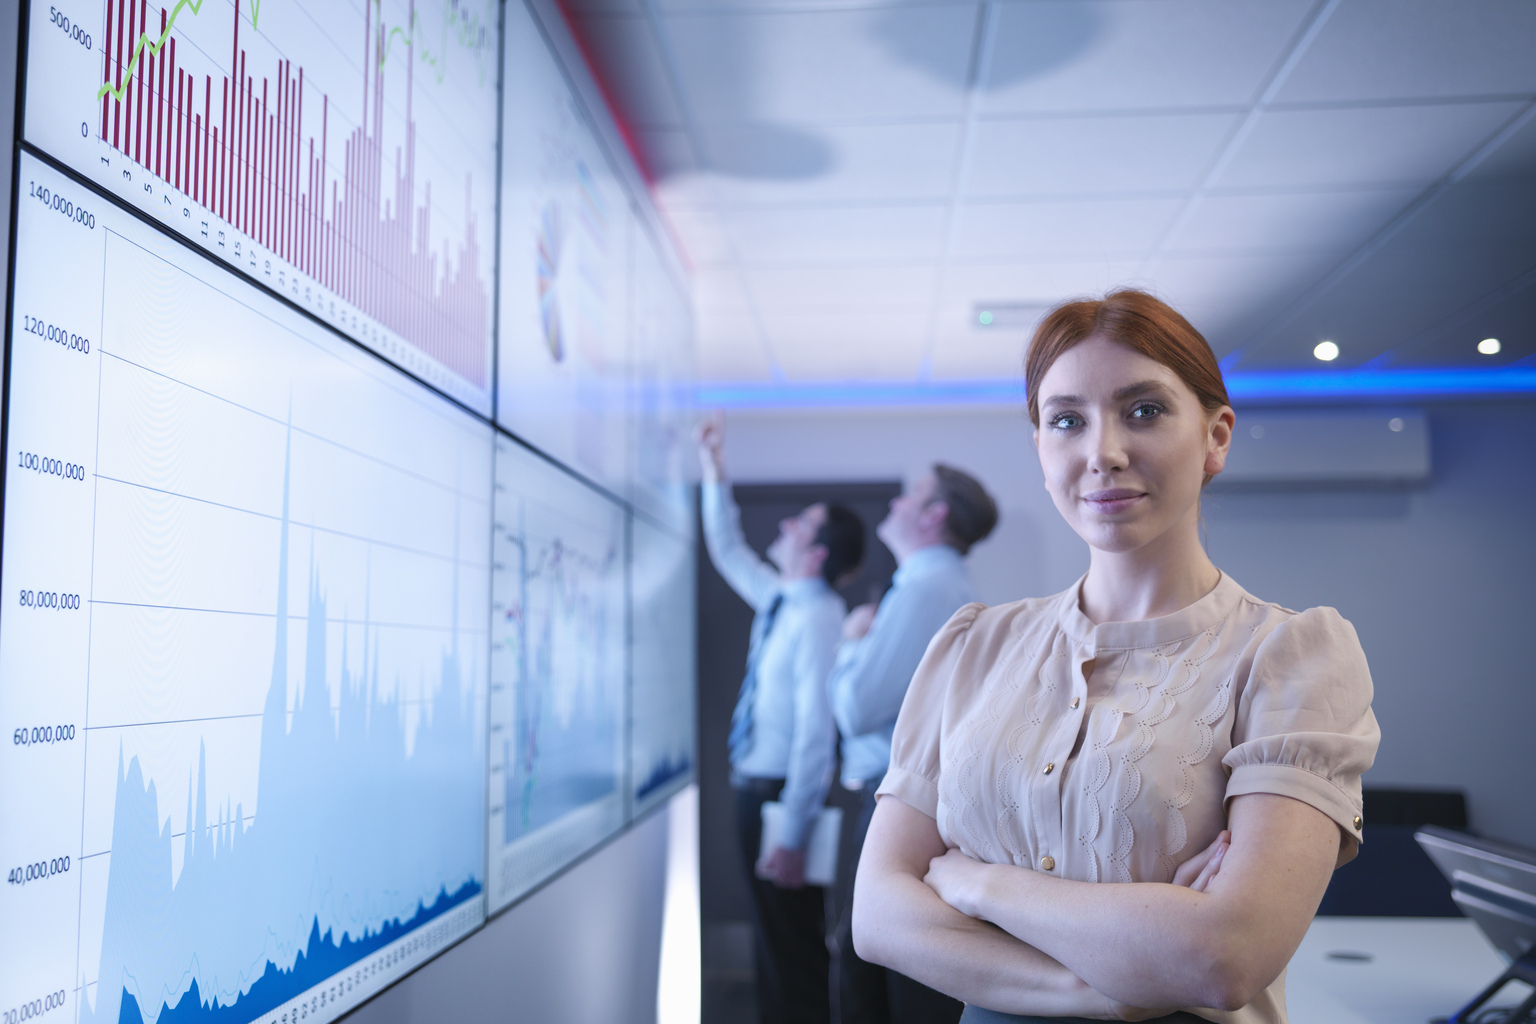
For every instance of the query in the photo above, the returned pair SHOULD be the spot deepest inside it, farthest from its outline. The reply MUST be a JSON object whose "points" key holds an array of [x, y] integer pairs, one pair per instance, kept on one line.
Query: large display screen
{"points": [[321, 637], [662, 664], [242, 658], [558, 671], [566, 230], [342, 154]]}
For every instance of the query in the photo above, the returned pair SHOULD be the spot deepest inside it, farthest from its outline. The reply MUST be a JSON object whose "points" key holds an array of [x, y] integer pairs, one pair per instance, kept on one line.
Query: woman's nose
{"points": [[1108, 453]]}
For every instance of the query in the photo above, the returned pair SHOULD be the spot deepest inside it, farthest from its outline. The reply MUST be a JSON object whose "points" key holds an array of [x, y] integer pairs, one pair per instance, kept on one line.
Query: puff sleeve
{"points": [[913, 777], [1304, 726]]}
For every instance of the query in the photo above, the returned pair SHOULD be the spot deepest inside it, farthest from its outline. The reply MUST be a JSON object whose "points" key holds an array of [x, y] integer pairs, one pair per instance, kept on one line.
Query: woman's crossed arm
{"points": [[1151, 944], [901, 922]]}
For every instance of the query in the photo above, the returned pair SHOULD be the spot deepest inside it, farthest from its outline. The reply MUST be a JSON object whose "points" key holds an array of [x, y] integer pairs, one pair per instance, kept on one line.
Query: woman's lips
{"points": [[1112, 501]]}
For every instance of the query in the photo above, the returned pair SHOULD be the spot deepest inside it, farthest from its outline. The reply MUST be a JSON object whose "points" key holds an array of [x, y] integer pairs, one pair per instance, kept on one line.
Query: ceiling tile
{"points": [[1073, 55], [1112, 228], [1314, 221], [1362, 145], [831, 234], [900, 63], [870, 344], [702, 236], [971, 354], [1223, 296], [721, 290], [727, 347], [632, 69], [1073, 156], [841, 287], [1413, 49], [864, 163], [1022, 281]]}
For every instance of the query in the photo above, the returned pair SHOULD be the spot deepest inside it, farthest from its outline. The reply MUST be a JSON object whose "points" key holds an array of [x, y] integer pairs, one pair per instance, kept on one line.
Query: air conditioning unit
{"points": [[1327, 448]]}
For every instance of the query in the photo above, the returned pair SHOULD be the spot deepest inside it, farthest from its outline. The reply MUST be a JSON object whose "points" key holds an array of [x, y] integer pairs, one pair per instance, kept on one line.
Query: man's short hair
{"points": [[972, 512], [842, 534]]}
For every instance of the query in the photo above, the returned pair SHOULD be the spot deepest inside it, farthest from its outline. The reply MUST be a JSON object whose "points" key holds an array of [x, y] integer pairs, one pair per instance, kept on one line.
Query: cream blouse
{"points": [[1108, 752]]}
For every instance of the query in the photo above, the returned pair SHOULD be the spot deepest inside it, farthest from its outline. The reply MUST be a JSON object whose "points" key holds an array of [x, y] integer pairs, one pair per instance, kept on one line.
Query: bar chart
{"points": [[342, 156]]}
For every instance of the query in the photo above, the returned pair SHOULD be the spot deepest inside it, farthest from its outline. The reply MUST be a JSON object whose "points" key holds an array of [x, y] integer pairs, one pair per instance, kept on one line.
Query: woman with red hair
{"points": [[1125, 801]]}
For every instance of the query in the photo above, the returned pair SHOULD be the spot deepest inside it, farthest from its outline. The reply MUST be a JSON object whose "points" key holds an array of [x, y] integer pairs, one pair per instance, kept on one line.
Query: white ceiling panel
{"points": [[721, 290], [632, 68], [1040, 281], [1222, 295], [969, 354], [728, 348], [1362, 145], [1297, 221], [895, 63], [865, 163], [1110, 228], [1078, 55], [839, 233], [841, 287], [1411, 49], [1073, 156], [874, 344], [702, 236]]}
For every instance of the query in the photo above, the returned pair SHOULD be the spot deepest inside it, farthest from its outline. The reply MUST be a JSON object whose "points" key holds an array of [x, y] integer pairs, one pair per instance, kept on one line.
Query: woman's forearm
{"points": [[1151, 944], [900, 923]]}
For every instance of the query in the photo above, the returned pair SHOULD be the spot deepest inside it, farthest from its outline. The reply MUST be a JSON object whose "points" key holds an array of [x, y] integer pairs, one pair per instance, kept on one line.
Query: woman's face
{"points": [[1125, 445]]}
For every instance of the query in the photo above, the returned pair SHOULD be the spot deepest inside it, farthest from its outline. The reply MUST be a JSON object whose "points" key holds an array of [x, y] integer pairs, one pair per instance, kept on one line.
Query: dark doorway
{"points": [[724, 623]]}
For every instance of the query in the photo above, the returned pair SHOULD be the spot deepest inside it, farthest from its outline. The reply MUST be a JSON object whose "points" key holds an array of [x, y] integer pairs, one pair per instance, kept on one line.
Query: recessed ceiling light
{"points": [[1489, 346], [1327, 351]]}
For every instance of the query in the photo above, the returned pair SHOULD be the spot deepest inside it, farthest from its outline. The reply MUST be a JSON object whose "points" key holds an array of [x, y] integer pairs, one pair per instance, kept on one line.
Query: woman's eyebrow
{"points": [[1140, 388], [1065, 400]]}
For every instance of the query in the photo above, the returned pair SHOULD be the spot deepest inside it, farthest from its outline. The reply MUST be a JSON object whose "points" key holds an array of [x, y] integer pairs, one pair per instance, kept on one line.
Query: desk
{"points": [[1418, 968]]}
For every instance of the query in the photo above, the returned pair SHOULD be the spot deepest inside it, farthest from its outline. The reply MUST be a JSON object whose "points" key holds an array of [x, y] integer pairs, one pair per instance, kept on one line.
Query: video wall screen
{"points": [[244, 668], [566, 229], [558, 670], [662, 667], [309, 664]]}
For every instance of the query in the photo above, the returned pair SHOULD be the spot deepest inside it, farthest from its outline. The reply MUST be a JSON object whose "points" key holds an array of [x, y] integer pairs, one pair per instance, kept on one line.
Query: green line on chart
{"points": [[155, 47]]}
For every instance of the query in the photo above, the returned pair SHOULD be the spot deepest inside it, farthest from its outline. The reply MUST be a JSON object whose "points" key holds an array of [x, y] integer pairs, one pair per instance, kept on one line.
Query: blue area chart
{"points": [[558, 671], [257, 789], [242, 891]]}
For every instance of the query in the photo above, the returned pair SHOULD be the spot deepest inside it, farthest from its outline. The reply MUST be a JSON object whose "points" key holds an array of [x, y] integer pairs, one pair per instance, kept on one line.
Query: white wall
{"points": [[1439, 580]]}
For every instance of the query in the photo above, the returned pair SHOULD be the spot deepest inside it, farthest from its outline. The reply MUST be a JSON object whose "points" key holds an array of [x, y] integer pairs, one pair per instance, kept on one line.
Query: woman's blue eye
{"points": [[1147, 411], [1066, 421]]}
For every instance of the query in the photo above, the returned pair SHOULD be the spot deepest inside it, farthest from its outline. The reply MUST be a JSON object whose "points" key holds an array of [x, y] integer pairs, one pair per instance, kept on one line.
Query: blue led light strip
{"points": [[1243, 387]]}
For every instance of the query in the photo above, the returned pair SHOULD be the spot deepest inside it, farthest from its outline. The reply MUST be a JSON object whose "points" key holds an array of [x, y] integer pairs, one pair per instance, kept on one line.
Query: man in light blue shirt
{"points": [[931, 526], [783, 740]]}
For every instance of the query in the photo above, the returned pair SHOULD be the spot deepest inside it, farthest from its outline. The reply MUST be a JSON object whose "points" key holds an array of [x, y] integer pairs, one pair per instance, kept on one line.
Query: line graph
{"points": [[342, 156], [558, 671], [269, 784]]}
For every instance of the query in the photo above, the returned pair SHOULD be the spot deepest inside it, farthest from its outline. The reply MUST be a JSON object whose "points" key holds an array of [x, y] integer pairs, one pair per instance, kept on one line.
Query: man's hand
{"points": [[710, 435], [783, 867], [857, 624]]}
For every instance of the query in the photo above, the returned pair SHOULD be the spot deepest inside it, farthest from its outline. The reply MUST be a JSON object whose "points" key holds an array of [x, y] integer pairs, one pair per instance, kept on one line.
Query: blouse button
{"points": [[1050, 766], [1358, 823], [1047, 863], [1076, 701]]}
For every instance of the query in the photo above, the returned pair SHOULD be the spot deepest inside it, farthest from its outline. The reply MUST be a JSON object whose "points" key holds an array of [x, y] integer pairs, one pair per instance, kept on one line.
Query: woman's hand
{"points": [[958, 880], [1198, 872]]}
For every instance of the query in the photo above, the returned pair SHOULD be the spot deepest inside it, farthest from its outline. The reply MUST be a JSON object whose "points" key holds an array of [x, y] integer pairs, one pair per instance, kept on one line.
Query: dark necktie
{"points": [[740, 740]]}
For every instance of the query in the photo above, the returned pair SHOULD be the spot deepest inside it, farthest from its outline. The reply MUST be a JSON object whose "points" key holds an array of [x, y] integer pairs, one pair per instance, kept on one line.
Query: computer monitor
{"points": [[1495, 885]]}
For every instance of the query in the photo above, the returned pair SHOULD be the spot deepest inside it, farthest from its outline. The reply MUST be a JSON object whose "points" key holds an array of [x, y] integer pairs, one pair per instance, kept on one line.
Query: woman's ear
{"points": [[1218, 440]]}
